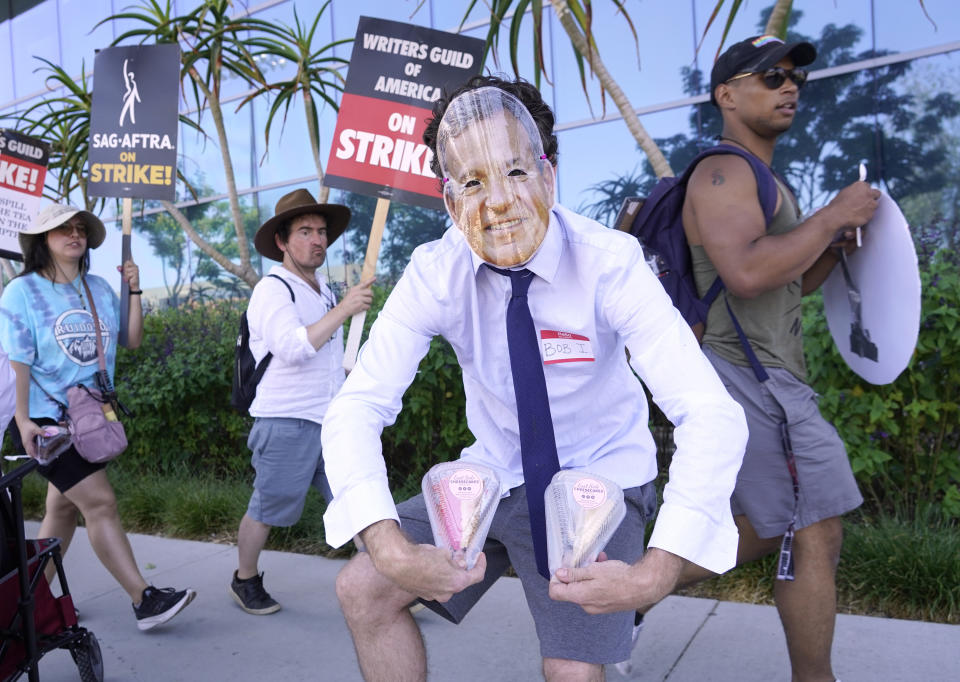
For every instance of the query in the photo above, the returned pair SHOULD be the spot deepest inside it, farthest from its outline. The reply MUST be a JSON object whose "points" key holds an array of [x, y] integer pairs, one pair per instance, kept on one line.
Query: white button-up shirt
{"points": [[593, 294], [300, 380]]}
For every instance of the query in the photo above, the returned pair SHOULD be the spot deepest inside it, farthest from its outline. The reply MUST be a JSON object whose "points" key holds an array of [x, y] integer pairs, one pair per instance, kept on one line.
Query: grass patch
{"points": [[33, 493], [890, 566], [196, 508], [899, 566], [902, 568]]}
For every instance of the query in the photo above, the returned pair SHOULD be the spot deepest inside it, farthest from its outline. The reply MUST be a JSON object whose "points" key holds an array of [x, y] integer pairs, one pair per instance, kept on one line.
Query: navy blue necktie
{"points": [[538, 447]]}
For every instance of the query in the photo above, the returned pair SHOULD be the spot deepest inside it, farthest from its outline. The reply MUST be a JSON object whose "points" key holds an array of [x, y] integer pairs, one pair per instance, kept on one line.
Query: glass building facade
{"points": [[884, 89]]}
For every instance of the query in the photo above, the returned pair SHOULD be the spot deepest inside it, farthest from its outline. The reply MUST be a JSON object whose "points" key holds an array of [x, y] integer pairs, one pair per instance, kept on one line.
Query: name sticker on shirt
{"points": [[559, 347]]}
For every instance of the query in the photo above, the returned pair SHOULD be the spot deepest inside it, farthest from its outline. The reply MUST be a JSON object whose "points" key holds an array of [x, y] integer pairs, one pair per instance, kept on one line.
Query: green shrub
{"points": [[178, 386], [901, 438], [432, 425]]}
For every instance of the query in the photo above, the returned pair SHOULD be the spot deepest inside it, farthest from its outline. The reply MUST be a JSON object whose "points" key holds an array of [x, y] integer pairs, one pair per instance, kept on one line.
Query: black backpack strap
{"points": [[265, 362], [766, 184], [293, 297]]}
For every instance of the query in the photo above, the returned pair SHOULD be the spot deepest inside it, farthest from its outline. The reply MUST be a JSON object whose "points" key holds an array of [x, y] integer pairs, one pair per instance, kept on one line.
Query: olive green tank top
{"points": [[772, 321]]}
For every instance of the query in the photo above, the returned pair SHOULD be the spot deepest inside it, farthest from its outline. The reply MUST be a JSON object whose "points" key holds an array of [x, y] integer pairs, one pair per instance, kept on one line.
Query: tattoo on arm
{"points": [[716, 177]]}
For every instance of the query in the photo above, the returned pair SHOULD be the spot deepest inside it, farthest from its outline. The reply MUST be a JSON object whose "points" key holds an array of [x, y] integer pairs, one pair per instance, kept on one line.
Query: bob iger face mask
{"points": [[498, 187]]}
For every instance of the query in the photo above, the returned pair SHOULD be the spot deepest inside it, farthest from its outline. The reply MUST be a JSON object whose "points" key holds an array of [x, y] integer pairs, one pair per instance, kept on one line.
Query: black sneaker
{"points": [[251, 596], [159, 605]]}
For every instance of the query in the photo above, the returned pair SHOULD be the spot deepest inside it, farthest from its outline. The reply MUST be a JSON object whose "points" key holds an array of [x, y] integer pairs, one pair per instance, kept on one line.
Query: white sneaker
{"points": [[626, 667]]}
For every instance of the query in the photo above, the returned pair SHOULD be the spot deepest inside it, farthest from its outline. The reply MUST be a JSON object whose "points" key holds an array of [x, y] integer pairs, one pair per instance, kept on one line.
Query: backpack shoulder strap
{"points": [[767, 194], [766, 185], [293, 297]]}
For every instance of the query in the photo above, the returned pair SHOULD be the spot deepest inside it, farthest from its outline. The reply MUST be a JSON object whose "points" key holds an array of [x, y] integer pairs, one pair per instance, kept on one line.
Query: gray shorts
{"points": [[287, 459], [565, 630], [764, 490]]}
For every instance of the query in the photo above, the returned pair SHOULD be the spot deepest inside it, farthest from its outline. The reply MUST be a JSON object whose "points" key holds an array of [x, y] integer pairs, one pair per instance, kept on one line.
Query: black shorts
{"points": [[66, 470]]}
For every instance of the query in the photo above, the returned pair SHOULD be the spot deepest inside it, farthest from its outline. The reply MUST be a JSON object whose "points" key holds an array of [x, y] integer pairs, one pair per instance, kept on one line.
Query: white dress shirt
{"points": [[300, 380], [593, 294]]}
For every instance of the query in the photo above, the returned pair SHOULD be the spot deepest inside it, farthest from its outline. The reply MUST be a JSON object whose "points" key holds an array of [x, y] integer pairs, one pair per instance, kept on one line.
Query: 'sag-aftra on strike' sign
{"points": [[23, 168], [133, 122], [397, 71]]}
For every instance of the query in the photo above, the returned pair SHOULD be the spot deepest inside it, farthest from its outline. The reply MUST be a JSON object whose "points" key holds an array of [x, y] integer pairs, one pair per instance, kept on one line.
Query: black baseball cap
{"points": [[755, 55]]}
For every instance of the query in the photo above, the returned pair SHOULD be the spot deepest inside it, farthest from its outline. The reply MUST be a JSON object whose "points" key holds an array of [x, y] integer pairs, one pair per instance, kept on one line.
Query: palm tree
{"points": [[62, 120], [575, 16], [317, 73], [212, 46], [611, 193]]}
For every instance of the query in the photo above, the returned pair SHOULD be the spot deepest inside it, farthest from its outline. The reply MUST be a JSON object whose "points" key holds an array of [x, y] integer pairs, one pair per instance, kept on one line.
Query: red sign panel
{"points": [[23, 168], [396, 73]]}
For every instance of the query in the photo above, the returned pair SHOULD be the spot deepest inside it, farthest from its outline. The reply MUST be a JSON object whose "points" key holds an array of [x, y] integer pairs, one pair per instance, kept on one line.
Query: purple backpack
{"points": [[657, 222]]}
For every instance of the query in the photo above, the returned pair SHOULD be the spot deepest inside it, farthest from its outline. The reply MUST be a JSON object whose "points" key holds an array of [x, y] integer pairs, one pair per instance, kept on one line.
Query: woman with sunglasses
{"points": [[47, 327]]}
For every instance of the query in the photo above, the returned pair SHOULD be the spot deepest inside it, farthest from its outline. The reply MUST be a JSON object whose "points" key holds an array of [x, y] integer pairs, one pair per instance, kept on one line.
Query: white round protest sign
{"points": [[885, 272]]}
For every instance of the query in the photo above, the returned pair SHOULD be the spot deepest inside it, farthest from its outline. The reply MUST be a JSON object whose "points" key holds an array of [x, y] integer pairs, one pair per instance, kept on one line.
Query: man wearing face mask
{"points": [[513, 247]]}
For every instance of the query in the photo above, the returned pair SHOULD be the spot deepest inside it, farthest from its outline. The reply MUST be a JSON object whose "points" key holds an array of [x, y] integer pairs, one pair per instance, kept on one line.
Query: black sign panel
{"points": [[133, 123]]}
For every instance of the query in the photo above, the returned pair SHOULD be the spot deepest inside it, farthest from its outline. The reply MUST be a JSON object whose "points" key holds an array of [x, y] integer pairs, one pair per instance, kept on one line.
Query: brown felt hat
{"points": [[296, 203]]}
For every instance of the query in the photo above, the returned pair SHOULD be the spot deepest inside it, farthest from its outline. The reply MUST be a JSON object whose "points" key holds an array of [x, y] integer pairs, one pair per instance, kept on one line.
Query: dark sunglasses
{"points": [[67, 229], [774, 77]]}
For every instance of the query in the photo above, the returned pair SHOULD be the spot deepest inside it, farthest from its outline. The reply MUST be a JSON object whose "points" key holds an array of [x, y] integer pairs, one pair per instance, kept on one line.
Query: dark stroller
{"points": [[31, 627]]}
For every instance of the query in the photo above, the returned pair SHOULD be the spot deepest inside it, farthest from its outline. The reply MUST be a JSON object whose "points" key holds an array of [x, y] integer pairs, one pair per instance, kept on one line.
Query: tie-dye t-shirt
{"points": [[8, 390], [49, 327]]}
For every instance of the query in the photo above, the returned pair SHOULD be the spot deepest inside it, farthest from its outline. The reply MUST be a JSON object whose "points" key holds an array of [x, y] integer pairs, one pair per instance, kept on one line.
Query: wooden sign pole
{"points": [[125, 255], [369, 270]]}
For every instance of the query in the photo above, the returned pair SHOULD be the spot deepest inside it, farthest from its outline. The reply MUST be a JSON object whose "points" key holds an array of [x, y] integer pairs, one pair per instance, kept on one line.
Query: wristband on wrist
{"points": [[135, 293]]}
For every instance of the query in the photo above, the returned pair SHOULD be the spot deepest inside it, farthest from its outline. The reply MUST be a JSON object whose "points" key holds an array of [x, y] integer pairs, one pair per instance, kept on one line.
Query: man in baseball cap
{"points": [[757, 55], [796, 481], [293, 316]]}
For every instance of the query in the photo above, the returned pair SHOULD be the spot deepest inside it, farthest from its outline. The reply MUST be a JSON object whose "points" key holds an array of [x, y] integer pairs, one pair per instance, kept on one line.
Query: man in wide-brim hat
{"points": [[295, 318], [298, 203]]}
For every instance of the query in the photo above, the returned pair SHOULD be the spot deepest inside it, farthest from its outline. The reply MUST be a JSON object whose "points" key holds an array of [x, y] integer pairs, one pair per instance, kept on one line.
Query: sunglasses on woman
{"points": [[774, 77], [67, 229]]}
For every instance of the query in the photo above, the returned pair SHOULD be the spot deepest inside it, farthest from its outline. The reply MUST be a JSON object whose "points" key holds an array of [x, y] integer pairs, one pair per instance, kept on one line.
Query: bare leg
{"points": [[750, 548], [251, 539], [808, 605], [386, 638], [564, 670], [95, 499], [59, 521]]}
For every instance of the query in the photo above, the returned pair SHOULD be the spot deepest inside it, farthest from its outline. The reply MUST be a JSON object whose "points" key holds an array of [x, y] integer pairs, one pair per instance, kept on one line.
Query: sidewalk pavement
{"points": [[685, 639]]}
